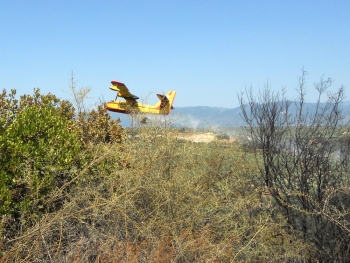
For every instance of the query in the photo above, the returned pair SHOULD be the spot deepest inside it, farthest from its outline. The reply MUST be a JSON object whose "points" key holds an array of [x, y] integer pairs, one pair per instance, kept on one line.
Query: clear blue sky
{"points": [[207, 51]]}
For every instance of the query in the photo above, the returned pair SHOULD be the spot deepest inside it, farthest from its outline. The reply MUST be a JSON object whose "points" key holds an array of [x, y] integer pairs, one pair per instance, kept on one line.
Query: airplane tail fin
{"points": [[165, 103]]}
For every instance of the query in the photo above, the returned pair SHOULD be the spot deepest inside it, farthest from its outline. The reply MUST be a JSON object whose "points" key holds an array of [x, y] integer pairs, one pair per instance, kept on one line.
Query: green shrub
{"points": [[96, 126], [39, 145]]}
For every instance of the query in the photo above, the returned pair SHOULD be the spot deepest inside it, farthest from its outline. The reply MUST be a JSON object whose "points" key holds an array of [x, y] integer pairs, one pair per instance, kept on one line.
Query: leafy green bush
{"points": [[39, 145], [96, 126]]}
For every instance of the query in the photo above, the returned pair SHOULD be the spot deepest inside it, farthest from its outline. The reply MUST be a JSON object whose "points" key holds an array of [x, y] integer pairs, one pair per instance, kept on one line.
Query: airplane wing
{"points": [[122, 90]]}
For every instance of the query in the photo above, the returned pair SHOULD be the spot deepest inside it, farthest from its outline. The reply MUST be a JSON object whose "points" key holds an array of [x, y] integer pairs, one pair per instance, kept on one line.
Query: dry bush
{"points": [[153, 198], [302, 153]]}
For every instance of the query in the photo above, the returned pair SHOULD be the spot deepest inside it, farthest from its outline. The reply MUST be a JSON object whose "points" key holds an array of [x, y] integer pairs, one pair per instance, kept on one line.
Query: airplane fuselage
{"points": [[135, 107]]}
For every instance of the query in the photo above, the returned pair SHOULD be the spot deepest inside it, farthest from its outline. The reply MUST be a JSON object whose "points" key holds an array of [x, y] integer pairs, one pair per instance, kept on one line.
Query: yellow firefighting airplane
{"points": [[130, 105]]}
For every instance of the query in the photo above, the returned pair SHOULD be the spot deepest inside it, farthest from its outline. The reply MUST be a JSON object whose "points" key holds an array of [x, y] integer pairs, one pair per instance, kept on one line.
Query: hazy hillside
{"points": [[203, 117]]}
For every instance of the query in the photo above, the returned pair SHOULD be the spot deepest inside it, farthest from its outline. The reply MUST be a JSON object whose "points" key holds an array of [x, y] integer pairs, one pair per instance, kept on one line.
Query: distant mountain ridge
{"points": [[206, 117], [214, 117]]}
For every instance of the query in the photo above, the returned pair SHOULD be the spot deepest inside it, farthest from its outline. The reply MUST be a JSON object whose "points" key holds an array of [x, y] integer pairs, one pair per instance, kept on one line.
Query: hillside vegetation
{"points": [[80, 188]]}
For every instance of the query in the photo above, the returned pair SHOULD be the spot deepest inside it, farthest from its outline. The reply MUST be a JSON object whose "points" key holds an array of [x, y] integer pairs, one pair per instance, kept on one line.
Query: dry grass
{"points": [[155, 198]]}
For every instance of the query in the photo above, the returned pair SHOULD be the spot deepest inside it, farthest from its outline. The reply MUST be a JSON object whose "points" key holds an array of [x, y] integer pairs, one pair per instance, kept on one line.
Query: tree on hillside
{"points": [[303, 158]]}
